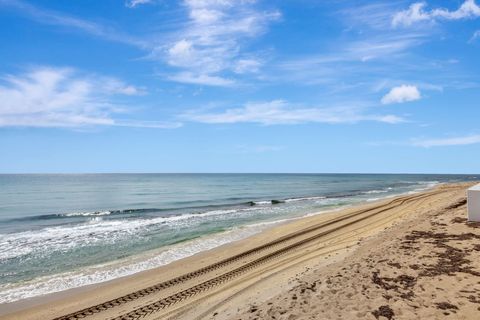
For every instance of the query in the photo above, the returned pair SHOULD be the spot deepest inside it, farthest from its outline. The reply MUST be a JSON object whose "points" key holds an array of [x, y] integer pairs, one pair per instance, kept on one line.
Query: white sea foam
{"points": [[95, 231], [262, 203], [125, 267], [425, 185], [86, 214], [378, 191], [269, 202], [335, 201], [303, 199]]}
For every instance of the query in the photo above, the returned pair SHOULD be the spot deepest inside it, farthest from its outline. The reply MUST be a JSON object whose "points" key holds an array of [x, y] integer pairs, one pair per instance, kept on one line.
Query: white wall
{"points": [[473, 201]]}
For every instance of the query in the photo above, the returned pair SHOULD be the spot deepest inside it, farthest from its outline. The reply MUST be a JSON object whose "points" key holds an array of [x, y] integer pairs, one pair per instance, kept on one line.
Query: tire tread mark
{"points": [[222, 263], [177, 297]]}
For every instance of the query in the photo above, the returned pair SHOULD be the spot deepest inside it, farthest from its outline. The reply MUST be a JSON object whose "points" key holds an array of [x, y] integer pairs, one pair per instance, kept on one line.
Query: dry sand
{"points": [[426, 267], [411, 257]]}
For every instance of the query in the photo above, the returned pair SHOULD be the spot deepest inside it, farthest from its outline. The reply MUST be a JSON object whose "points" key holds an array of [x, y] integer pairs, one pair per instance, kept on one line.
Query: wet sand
{"points": [[408, 257]]}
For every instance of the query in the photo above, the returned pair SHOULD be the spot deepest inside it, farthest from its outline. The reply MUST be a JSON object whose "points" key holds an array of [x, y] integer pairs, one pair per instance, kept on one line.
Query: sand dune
{"points": [[402, 258]]}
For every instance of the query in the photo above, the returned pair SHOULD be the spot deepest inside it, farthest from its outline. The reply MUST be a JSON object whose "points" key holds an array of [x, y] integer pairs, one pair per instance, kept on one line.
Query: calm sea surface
{"points": [[63, 231]]}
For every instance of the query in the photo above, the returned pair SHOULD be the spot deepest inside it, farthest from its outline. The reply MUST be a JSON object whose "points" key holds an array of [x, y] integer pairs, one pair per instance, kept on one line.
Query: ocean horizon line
{"points": [[241, 173]]}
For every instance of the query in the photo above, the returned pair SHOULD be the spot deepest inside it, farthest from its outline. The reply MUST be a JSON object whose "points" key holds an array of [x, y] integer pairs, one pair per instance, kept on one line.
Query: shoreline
{"points": [[79, 297], [155, 258], [30, 302], [152, 259]]}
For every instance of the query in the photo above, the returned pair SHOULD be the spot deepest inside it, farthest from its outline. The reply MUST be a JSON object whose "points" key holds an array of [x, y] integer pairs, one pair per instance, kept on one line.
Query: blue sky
{"points": [[240, 86]]}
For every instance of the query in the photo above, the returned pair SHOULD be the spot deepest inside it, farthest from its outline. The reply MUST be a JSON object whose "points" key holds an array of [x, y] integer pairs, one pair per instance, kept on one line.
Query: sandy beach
{"points": [[409, 257], [239, 160]]}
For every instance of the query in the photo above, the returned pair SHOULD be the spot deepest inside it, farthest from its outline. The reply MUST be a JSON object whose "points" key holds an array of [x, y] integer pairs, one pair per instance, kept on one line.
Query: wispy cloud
{"points": [[383, 47], [210, 43], [280, 112], [367, 48], [454, 141], [475, 36], [379, 47], [365, 61], [63, 97], [372, 15], [417, 13], [400, 94], [203, 79], [51, 17], [370, 50], [207, 47], [385, 84], [135, 3]]}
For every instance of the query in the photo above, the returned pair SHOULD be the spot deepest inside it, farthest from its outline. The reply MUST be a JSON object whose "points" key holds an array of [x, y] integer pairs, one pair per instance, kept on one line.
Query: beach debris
{"points": [[384, 311], [459, 220], [446, 306], [451, 260], [401, 282], [394, 264], [473, 224], [457, 204]]}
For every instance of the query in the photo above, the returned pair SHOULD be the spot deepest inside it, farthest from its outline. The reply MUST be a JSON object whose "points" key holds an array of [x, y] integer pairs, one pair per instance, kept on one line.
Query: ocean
{"points": [[62, 231]]}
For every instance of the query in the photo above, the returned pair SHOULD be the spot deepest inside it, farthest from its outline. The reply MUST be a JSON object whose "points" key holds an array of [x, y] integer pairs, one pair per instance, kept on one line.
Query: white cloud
{"points": [[62, 97], [382, 47], [413, 14], [247, 66], [51, 17], [208, 48], [416, 13], [135, 3], [114, 86], [192, 78], [400, 94], [455, 141], [354, 58], [372, 14], [385, 84], [469, 9], [181, 53], [211, 42], [281, 112]]}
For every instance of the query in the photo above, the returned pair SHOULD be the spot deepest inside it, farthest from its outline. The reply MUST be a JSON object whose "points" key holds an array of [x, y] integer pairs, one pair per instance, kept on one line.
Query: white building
{"points": [[473, 201]]}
